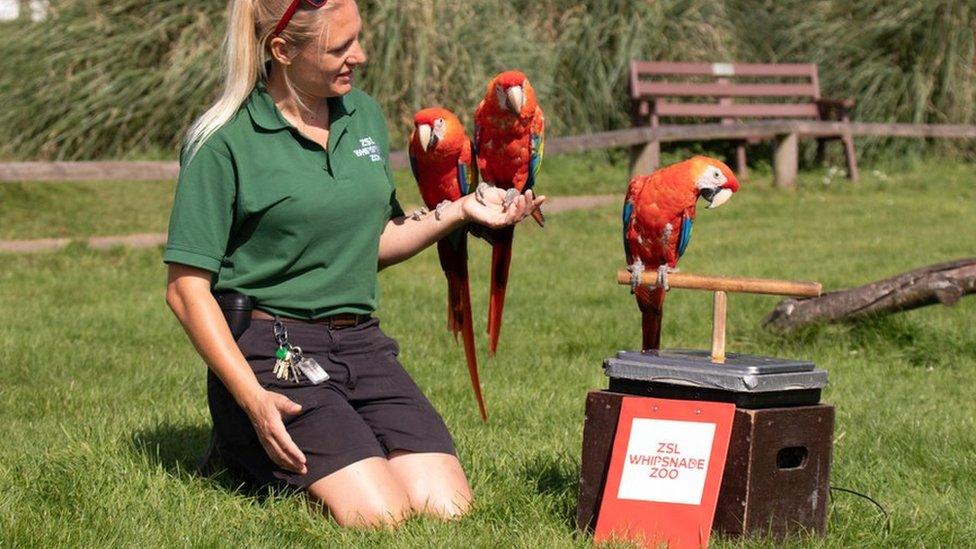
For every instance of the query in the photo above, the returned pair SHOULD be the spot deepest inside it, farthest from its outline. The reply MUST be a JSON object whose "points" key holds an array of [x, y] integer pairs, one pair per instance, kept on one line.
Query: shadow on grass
{"points": [[556, 477], [183, 451]]}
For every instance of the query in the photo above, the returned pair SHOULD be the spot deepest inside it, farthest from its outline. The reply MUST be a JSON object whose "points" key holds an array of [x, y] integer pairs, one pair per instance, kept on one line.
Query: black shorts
{"points": [[368, 407]]}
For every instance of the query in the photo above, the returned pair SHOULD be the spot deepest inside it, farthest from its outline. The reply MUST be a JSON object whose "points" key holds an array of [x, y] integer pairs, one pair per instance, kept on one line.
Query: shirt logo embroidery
{"points": [[368, 147]]}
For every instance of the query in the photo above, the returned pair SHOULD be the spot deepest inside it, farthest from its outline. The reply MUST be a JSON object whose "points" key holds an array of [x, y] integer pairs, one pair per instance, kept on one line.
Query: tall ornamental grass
{"points": [[124, 78]]}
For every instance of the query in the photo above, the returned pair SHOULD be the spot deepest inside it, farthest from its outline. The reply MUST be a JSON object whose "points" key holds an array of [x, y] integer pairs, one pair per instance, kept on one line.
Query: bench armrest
{"points": [[835, 109]]}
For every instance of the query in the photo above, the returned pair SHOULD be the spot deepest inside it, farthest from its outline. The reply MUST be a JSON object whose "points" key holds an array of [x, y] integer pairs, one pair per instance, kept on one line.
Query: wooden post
{"points": [[786, 159], [719, 303], [647, 159], [850, 156], [741, 168]]}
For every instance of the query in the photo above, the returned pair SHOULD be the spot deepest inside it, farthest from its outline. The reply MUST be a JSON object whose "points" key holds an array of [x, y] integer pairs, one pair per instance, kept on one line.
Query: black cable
{"points": [[884, 512]]}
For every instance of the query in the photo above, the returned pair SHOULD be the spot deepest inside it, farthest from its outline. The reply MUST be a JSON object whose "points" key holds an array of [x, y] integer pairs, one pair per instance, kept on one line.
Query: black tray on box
{"points": [[748, 381]]}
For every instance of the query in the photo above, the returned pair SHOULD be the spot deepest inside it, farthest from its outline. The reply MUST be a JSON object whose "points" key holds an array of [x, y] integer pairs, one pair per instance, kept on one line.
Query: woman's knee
{"points": [[435, 483], [364, 494], [443, 505], [374, 514]]}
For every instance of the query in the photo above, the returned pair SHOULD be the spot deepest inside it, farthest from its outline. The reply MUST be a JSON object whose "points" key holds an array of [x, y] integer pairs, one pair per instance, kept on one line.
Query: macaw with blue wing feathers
{"points": [[442, 163], [509, 143], [658, 216]]}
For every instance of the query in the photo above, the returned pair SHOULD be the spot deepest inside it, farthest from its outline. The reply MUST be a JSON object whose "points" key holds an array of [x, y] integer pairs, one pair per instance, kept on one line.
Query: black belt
{"points": [[341, 320]]}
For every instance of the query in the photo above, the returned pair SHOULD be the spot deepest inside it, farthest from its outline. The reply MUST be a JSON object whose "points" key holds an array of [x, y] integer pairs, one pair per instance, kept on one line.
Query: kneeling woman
{"points": [[285, 195]]}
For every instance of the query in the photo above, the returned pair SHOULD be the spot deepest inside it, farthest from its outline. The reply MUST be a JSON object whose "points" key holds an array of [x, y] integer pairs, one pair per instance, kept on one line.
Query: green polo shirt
{"points": [[278, 218]]}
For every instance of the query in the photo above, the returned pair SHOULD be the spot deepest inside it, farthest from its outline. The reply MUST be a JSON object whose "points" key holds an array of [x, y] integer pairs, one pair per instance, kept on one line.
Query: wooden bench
{"points": [[732, 92]]}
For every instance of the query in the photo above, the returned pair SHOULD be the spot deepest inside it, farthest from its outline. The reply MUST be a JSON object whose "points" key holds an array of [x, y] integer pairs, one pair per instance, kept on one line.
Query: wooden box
{"points": [[776, 478]]}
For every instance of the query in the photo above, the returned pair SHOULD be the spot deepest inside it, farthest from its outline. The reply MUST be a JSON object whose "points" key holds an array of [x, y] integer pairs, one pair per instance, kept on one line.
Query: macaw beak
{"points": [[428, 139], [515, 99], [716, 197]]}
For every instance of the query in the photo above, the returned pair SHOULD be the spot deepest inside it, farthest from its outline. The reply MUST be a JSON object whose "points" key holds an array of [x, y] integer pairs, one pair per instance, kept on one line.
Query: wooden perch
{"points": [[720, 285], [690, 281], [943, 283]]}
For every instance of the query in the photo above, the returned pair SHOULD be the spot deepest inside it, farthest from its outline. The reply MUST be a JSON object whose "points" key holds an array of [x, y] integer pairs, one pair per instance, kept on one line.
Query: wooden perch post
{"points": [[719, 302], [942, 283], [722, 284]]}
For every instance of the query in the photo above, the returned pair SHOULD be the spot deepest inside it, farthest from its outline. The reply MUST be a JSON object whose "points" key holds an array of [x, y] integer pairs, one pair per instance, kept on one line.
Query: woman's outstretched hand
{"points": [[266, 411], [491, 212]]}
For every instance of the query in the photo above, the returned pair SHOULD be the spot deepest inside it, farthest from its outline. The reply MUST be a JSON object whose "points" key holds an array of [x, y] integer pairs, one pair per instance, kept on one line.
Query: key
{"points": [[284, 363]]}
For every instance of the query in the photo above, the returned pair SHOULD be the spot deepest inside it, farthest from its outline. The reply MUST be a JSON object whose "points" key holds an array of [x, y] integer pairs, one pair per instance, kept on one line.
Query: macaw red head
{"points": [[437, 129], [512, 93], [714, 180]]}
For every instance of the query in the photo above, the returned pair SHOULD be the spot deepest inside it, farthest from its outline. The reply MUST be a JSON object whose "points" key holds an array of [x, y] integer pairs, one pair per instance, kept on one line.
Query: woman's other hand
{"points": [[491, 212], [266, 410]]}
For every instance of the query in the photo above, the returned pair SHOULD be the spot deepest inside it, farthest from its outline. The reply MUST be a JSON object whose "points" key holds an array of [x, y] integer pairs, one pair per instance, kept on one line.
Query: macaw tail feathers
{"points": [[651, 305], [452, 251], [501, 259], [539, 217]]}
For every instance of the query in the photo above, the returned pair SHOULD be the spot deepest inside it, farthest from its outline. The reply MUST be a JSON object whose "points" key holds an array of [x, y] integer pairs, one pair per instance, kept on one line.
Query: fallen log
{"points": [[943, 283]]}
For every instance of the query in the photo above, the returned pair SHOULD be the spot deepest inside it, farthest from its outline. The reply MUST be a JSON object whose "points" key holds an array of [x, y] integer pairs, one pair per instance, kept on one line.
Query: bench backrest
{"points": [[733, 90]]}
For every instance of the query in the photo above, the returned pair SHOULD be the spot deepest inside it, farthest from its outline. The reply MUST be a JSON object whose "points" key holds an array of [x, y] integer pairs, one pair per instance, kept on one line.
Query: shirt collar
{"points": [[266, 115]]}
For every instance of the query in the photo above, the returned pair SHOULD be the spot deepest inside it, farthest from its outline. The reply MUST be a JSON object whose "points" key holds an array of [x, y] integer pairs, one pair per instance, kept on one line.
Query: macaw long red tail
{"points": [[651, 304], [501, 260], [453, 255]]}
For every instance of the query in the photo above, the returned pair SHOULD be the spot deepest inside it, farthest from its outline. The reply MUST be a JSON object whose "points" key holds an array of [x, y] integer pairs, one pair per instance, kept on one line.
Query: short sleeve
{"points": [[203, 211]]}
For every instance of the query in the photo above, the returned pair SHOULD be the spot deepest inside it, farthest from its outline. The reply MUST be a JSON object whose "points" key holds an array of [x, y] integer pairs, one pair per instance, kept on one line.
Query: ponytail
{"points": [[243, 58]]}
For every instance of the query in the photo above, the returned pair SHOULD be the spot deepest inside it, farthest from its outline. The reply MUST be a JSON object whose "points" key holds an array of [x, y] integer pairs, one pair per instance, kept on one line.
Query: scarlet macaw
{"points": [[441, 160], [658, 215], [509, 140]]}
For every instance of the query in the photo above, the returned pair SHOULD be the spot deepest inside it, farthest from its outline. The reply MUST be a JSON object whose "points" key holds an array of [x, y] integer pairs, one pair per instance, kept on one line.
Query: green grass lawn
{"points": [[104, 410]]}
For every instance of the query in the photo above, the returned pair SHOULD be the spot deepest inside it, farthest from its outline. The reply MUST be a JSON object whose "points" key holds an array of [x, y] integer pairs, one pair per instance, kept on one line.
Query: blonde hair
{"points": [[249, 27]]}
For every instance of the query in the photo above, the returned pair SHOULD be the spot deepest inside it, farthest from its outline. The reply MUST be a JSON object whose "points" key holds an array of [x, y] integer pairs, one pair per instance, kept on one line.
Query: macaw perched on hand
{"points": [[441, 160], [509, 142], [658, 215]]}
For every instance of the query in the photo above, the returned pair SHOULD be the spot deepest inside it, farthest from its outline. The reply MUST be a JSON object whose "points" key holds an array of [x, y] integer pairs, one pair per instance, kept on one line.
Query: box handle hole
{"points": [[793, 457]]}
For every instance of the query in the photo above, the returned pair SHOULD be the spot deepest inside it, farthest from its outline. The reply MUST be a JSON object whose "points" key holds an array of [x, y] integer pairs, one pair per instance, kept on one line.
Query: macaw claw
{"points": [[419, 214], [510, 196], [662, 277], [439, 211], [479, 193], [636, 270]]}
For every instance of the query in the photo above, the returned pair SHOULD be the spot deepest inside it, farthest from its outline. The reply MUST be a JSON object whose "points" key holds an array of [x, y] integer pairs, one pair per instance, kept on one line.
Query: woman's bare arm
{"points": [[188, 295], [404, 237]]}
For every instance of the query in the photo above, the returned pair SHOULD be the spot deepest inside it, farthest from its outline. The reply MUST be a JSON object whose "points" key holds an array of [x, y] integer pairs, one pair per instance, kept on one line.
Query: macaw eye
{"points": [[717, 174], [439, 123]]}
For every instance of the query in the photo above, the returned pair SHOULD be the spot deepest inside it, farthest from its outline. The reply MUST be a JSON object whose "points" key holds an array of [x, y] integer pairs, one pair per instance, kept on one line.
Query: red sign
{"points": [[665, 472]]}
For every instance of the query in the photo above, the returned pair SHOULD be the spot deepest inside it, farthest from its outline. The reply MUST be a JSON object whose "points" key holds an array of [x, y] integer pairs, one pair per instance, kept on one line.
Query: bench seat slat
{"points": [[757, 110], [689, 89]]}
